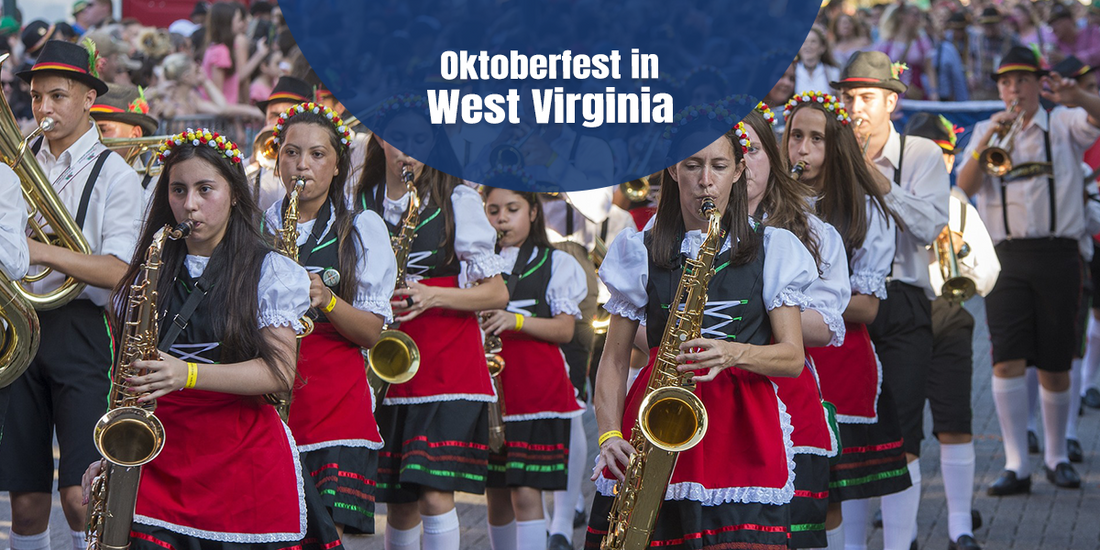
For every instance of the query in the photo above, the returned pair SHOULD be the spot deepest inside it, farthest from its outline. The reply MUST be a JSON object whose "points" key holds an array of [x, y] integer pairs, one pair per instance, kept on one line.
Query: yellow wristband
{"points": [[331, 303], [192, 375], [976, 155], [608, 435], [519, 322]]}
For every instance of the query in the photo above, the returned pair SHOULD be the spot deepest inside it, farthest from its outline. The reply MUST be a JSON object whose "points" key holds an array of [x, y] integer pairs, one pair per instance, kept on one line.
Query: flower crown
{"points": [[766, 112], [222, 144], [826, 100], [742, 137], [405, 100], [507, 170], [316, 108], [711, 111]]}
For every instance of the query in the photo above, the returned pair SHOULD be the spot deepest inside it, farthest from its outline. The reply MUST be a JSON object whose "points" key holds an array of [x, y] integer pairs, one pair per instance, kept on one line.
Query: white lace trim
{"points": [[341, 443], [835, 322], [565, 305], [378, 305], [483, 266], [713, 497], [791, 297], [542, 415], [480, 397], [246, 538], [280, 319], [869, 283], [619, 305], [850, 419]]}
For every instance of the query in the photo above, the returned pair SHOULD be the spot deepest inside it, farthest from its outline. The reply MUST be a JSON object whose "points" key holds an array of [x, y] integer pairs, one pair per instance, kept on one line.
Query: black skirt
{"points": [[873, 462], [810, 502], [536, 454], [344, 479]]}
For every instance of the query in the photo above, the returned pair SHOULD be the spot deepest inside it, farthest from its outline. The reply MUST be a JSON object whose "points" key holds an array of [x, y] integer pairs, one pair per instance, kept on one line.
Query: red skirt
{"points": [[850, 376], [332, 401], [535, 380], [206, 483], [746, 454], [452, 358], [803, 400]]}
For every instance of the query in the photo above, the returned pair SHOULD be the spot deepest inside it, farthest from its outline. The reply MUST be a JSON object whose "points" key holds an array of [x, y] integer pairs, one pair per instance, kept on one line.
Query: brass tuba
{"points": [[395, 358], [956, 288], [20, 336], [129, 434], [996, 159], [671, 418], [41, 200]]}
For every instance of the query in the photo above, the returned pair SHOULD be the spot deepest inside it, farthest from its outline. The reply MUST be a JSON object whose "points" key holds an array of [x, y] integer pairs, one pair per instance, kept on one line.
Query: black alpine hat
{"points": [[990, 15], [869, 70], [35, 35], [1020, 58], [1071, 67], [288, 89], [68, 60], [125, 104], [936, 128]]}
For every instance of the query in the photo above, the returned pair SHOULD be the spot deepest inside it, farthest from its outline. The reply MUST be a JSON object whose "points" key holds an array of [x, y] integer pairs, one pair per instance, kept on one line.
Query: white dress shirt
{"points": [[115, 209], [14, 253], [1029, 198], [920, 201], [816, 80], [981, 265]]}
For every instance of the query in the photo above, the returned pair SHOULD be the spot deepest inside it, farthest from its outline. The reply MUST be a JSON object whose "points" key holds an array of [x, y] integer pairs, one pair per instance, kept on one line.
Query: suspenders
{"points": [[1050, 189], [86, 197]]}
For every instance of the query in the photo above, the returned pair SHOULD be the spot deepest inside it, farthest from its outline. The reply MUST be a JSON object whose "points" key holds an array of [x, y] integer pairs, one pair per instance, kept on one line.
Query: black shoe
{"points": [[1073, 449], [913, 546], [877, 520], [975, 519], [1064, 476], [965, 542], [579, 519], [1032, 443], [1091, 398], [558, 542], [1008, 484]]}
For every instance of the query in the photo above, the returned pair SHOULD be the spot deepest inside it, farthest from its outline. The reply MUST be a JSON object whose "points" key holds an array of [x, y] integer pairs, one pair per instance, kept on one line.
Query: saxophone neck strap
{"points": [[319, 224], [522, 259], [181, 319]]}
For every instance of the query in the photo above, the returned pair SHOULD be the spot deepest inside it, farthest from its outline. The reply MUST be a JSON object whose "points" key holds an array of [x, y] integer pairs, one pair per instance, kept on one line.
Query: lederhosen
{"points": [[435, 426], [1045, 274], [732, 490], [251, 490], [538, 397], [331, 415], [65, 386]]}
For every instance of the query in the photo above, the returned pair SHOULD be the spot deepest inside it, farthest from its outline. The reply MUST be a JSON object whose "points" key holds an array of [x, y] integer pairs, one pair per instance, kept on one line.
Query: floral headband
{"points": [[507, 170], [316, 108], [402, 101], [742, 137], [719, 112], [202, 136], [826, 100], [766, 112]]}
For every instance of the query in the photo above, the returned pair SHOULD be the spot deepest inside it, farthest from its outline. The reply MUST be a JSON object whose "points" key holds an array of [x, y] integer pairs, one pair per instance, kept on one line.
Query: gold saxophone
{"points": [[493, 347], [288, 246], [129, 435], [394, 359], [671, 417]]}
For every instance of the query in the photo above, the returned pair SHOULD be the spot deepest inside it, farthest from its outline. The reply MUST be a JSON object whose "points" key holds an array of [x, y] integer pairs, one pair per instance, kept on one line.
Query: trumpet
{"points": [[956, 288], [263, 146], [42, 201], [635, 190], [132, 148], [996, 159], [510, 155]]}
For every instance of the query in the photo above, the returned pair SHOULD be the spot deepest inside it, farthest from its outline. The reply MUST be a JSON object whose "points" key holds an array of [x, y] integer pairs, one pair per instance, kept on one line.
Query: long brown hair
{"points": [[785, 200], [219, 26], [235, 264], [668, 223], [537, 235], [846, 180], [344, 222]]}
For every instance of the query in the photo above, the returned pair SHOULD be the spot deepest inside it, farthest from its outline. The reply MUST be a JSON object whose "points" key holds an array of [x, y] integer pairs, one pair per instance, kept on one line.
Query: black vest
{"points": [[735, 308], [325, 255], [200, 342], [429, 249], [529, 293]]}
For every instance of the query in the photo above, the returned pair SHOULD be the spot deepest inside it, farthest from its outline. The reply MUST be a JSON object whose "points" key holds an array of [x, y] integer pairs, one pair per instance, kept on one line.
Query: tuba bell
{"points": [[20, 335], [42, 201], [996, 159]]}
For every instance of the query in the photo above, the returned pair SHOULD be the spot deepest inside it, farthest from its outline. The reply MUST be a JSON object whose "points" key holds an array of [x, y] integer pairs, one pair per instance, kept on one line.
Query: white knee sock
{"points": [[1009, 395], [531, 535], [402, 539], [957, 467], [899, 513], [503, 537], [78, 540], [1032, 375], [1091, 366], [441, 532], [1055, 417], [855, 524], [835, 538], [1074, 399], [40, 541], [565, 501]]}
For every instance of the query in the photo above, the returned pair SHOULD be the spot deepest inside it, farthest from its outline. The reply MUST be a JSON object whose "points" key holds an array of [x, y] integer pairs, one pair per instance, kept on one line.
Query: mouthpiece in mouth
{"points": [[47, 124]]}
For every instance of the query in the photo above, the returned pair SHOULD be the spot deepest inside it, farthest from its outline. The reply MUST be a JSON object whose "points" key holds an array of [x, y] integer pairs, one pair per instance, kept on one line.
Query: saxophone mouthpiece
{"points": [[182, 231], [406, 173], [707, 207]]}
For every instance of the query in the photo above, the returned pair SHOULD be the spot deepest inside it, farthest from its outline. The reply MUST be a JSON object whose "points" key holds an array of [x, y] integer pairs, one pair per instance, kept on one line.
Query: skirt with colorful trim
{"points": [[344, 478], [536, 454], [873, 462], [688, 525], [810, 502], [321, 533], [442, 445]]}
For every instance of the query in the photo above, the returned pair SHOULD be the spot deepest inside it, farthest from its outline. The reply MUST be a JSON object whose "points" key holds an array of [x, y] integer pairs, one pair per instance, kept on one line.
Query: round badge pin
{"points": [[330, 277]]}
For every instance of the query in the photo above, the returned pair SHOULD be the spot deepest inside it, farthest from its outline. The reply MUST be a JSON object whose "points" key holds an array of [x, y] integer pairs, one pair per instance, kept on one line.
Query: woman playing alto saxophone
{"points": [[229, 472], [741, 472], [352, 272], [544, 303]]}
